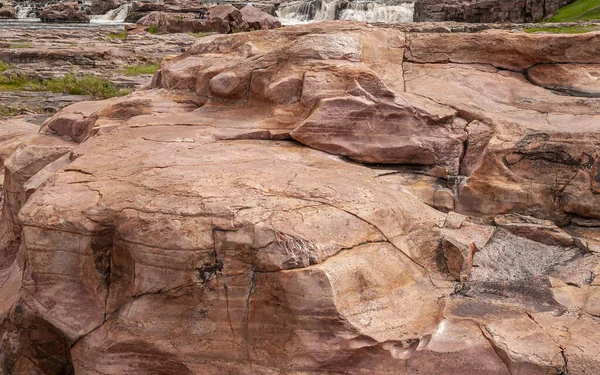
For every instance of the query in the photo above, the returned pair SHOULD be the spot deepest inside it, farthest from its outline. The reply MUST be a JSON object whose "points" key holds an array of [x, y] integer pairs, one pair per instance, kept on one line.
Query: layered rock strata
{"points": [[486, 10], [329, 198]]}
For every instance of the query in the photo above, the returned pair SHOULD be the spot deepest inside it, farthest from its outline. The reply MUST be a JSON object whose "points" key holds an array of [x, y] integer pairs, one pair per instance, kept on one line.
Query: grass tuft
{"points": [[96, 87], [562, 30], [198, 34], [20, 45], [4, 66], [7, 111], [153, 30], [140, 69], [121, 35]]}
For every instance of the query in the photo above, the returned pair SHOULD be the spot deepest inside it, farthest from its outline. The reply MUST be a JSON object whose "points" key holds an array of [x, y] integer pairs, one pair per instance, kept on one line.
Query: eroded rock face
{"points": [[62, 12], [314, 199], [486, 10], [221, 19]]}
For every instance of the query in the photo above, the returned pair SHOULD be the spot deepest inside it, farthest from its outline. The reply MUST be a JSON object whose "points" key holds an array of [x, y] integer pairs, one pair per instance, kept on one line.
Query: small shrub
{"points": [[153, 30], [121, 35], [136, 70], [178, 18]]}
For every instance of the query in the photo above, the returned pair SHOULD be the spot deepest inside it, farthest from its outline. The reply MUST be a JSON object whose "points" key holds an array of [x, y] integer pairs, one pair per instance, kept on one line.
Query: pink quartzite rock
{"points": [[327, 198]]}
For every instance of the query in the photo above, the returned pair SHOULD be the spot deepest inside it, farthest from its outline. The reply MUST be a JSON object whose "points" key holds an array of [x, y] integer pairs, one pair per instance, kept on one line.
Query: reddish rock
{"points": [[486, 10], [214, 223], [7, 12], [574, 79], [62, 12]]}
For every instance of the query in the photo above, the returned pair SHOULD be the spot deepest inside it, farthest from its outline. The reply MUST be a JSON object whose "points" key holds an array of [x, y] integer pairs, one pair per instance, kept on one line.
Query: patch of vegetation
{"points": [[136, 70], [7, 111], [15, 82], [20, 45], [178, 18], [4, 66], [198, 34], [121, 35], [153, 30], [562, 30], [96, 87], [581, 10]]}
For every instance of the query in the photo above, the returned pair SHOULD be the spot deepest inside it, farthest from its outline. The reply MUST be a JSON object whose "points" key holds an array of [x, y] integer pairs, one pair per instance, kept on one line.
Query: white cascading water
{"points": [[116, 15], [388, 11], [24, 11], [374, 12]]}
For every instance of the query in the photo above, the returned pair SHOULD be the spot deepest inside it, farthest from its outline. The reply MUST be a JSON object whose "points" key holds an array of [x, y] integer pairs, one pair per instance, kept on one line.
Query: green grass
{"points": [[581, 10], [7, 111], [121, 35], [562, 30], [136, 70], [20, 45], [96, 87], [153, 30], [4, 66], [198, 34]]}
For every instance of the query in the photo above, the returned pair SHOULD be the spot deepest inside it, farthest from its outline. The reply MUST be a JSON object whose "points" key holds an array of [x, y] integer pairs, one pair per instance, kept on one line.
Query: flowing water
{"points": [[388, 11], [116, 15]]}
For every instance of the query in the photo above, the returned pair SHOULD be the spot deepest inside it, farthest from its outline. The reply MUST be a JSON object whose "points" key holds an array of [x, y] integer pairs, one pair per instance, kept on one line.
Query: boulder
{"points": [[7, 12], [103, 6], [511, 11], [62, 12], [220, 18], [258, 19]]}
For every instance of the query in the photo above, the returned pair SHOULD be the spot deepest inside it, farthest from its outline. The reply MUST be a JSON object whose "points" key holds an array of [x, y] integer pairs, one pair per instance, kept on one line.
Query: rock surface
{"points": [[486, 10], [221, 18], [312, 199], [63, 12], [7, 12]]}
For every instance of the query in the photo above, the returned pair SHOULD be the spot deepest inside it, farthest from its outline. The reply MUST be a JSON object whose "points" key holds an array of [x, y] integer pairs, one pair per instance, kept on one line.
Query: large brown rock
{"points": [[277, 202], [62, 12], [486, 10], [7, 12]]}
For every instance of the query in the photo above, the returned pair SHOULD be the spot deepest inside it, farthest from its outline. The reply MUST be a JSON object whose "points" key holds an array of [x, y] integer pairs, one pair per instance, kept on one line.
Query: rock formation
{"points": [[220, 18], [486, 10], [329, 198], [7, 12], [62, 12]]}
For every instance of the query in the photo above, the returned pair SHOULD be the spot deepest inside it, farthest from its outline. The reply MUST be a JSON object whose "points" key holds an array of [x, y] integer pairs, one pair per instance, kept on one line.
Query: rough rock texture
{"points": [[328, 198], [486, 10], [221, 18], [103, 6], [7, 12], [62, 12]]}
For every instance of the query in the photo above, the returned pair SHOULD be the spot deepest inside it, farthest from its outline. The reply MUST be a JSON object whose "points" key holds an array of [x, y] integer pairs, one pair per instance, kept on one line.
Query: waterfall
{"points": [[375, 12], [388, 11], [115, 15], [300, 11], [25, 10], [327, 10]]}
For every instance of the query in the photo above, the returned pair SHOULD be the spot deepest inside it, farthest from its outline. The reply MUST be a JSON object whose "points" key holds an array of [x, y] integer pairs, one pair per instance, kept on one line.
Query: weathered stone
{"points": [[213, 223], [486, 10], [62, 12]]}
